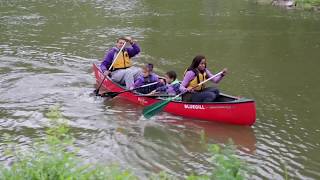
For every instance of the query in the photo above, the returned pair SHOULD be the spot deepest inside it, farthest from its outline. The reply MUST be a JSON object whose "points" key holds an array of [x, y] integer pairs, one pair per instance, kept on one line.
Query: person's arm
{"points": [[176, 88], [188, 77], [138, 82], [216, 79], [182, 89], [133, 50], [107, 61], [162, 89], [155, 77], [162, 82]]}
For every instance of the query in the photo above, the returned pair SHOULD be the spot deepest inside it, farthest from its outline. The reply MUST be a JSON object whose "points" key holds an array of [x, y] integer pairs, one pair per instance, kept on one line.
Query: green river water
{"points": [[47, 49]]}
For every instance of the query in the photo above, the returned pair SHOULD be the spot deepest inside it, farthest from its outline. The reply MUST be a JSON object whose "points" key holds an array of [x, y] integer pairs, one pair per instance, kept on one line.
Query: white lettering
{"points": [[192, 106], [142, 101]]}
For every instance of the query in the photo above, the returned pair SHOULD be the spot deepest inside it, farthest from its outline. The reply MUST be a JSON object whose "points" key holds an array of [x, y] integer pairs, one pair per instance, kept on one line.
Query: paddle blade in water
{"points": [[96, 92], [155, 108], [110, 94]]}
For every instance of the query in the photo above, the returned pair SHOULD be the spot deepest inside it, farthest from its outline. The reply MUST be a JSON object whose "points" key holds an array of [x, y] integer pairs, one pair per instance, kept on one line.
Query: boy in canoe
{"points": [[173, 86], [147, 77], [119, 65]]}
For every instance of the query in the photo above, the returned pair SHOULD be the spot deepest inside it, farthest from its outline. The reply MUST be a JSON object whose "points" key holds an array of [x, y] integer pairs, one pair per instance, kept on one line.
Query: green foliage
{"points": [[305, 4], [308, 3], [162, 176], [50, 159], [193, 177], [228, 165]]}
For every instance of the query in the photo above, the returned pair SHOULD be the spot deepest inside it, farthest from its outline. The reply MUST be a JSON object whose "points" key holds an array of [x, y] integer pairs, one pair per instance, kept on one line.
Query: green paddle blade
{"points": [[155, 108]]}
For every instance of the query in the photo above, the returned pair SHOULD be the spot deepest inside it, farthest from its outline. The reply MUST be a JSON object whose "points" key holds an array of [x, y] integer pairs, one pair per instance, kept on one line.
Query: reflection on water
{"points": [[47, 50], [243, 137]]}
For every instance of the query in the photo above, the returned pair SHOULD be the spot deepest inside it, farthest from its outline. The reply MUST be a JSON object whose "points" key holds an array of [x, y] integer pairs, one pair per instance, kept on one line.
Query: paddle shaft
{"points": [[115, 59], [151, 110], [219, 73], [146, 85], [114, 94], [97, 90]]}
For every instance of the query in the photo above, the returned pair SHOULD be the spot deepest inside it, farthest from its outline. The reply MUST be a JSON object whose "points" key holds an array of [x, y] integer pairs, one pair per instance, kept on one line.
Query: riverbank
{"points": [[294, 4], [308, 4]]}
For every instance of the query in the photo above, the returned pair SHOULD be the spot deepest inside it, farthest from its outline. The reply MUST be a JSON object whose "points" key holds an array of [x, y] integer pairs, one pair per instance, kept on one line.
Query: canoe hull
{"points": [[238, 112]]}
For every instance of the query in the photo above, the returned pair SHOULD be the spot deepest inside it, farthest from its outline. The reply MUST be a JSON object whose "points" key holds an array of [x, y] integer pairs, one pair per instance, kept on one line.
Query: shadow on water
{"points": [[242, 136]]}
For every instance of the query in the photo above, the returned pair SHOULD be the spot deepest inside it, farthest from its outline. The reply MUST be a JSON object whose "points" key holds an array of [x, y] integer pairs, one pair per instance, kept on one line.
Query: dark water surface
{"points": [[46, 52]]}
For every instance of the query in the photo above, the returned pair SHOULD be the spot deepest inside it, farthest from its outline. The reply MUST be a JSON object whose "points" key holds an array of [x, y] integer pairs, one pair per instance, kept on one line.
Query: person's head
{"points": [[170, 76], [199, 62], [120, 42], [147, 69]]}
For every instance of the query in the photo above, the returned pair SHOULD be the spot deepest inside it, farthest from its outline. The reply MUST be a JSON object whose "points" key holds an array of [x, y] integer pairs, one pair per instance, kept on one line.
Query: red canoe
{"points": [[227, 109]]}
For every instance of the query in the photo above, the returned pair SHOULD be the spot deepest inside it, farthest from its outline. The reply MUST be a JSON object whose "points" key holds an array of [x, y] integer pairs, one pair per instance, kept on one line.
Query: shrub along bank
{"points": [[54, 158]]}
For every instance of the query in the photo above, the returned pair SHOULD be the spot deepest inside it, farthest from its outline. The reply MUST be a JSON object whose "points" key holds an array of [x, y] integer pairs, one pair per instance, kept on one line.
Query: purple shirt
{"points": [[190, 75], [108, 59], [141, 80], [172, 89]]}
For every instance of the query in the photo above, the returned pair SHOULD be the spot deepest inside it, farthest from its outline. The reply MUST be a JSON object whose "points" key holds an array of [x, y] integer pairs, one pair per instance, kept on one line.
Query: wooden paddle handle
{"points": [[219, 73], [114, 60]]}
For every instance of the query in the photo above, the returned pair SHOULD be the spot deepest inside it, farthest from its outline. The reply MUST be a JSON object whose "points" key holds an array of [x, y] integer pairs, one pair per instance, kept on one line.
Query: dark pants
{"points": [[207, 95], [147, 89]]}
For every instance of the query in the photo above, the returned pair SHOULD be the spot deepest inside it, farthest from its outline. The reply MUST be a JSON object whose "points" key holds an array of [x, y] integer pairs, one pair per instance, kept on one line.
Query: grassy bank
{"points": [[293, 4], [308, 4], [55, 158]]}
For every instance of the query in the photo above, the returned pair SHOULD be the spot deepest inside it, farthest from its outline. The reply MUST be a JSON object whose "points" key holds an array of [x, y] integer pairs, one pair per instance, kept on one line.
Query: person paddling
{"points": [[173, 86], [195, 74], [122, 70], [147, 77]]}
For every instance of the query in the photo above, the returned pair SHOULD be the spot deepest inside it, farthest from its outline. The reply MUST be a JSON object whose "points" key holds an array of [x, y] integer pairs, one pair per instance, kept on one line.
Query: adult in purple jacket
{"points": [[122, 70], [195, 74]]}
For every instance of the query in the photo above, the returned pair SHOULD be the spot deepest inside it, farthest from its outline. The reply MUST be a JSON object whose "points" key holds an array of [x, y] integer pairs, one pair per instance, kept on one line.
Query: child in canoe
{"points": [[173, 86], [147, 77]]}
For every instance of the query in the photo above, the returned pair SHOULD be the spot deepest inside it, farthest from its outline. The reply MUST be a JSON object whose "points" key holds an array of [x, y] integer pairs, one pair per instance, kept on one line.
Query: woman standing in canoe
{"points": [[195, 74]]}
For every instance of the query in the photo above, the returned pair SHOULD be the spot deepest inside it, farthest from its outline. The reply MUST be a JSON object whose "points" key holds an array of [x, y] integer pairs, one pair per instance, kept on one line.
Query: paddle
{"points": [[155, 108], [114, 94], [97, 90]]}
